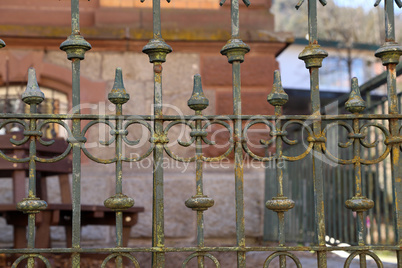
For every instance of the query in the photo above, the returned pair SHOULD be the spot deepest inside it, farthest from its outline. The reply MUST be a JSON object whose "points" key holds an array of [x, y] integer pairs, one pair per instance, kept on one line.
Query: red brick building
{"points": [[117, 31], [33, 32]]}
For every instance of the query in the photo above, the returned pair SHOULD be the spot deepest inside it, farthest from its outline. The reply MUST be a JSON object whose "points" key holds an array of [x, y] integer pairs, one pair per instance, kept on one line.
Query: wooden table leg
{"points": [[18, 185], [65, 193], [130, 220], [41, 186], [126, 235], [20, 240], [42, 237]]}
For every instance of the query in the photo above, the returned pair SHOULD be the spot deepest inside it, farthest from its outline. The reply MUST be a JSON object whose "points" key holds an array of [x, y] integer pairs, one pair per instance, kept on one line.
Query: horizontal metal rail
{"points": [[317, 140]]}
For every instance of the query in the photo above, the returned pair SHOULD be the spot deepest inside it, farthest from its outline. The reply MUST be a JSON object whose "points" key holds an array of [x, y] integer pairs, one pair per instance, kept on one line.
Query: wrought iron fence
{"points": [[316, 126], [377, 184], [340, 226]]}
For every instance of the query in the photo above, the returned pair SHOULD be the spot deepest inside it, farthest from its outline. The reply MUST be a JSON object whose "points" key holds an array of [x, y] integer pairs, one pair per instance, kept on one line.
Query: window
{"points": [[335, 76], [55, 103]]}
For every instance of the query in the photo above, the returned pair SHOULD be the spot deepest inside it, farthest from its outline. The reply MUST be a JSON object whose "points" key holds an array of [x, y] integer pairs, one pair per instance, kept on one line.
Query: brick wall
{"points": [[117, 36]]}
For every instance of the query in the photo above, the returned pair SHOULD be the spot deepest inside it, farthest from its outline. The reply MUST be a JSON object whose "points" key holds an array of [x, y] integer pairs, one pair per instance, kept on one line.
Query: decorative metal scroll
{"points": [[237, 125]]}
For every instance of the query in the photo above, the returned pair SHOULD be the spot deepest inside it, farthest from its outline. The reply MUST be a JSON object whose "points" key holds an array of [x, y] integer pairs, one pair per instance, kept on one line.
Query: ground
{"points": [[255, 259]]}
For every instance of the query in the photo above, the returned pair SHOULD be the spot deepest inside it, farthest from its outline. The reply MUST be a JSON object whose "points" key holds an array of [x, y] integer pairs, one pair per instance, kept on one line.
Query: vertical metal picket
{"points": [[235, 49], [157, 50], [75, 46], [32, 204], [358, 203], [119, 202], [313, 56], [199, 202], [280, 204], [390, 53]]}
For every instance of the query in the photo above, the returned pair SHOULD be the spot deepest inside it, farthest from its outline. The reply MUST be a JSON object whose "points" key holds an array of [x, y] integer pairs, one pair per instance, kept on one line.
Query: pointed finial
{"points": [[157, 49], [75, 46], [246, 2], [198, 101], [323, 2], [398, 2], [142, 1], [2, 44], [118, 95], [355, 103], [278, 96], [32, 94]]}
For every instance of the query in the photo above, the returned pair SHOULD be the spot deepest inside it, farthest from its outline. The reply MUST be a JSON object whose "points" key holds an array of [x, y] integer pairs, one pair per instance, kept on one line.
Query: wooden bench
{"points": [[55, 214], [61, 215]]}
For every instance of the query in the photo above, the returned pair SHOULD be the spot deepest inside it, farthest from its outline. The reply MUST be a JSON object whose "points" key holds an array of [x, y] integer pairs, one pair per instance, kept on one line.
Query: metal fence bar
{"points": [[358, 203], [119, 202], [199, 202], [386, 198], [313, 55], [280, 203], [235, 49], [390, 53], [376, 179], [157, 50], [75, 46], [308, 159], [32, 204]]}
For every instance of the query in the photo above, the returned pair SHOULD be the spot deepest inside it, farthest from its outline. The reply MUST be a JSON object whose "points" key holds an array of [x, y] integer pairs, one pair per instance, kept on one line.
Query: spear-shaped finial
{"points": [[355, 103], [389, 18], [390, 52], [75, 46], [323, 2], [32, 94], [198, 101], [246, 2], [234, 10], [313, 54], [118, 95], [235, 48], [156, 49], [312, 19], [278, 96], [398, 2], [142, 1]]}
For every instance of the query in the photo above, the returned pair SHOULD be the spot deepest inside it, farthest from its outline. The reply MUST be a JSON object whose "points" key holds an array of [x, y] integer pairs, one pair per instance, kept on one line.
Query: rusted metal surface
{"points": [[237, 125]]}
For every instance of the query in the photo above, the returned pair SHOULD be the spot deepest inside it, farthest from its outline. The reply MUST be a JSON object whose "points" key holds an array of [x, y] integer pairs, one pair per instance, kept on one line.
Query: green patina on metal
{"points": [[237, 126], [355, 103], [199, 202], [234, 50], [279, 204], [278, 96], [313, 55]]}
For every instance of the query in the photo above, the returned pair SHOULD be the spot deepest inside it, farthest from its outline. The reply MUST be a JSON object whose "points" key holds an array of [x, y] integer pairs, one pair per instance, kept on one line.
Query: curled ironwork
{"points": [[135, 142], [279, 254], [314, 142], [349, 260], [201, 254], [120, 255], [30, 260]]}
